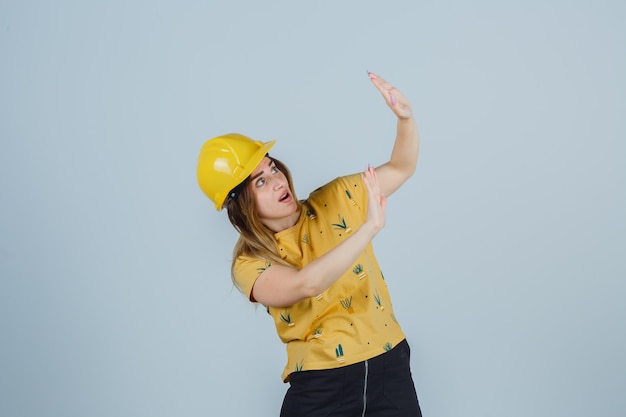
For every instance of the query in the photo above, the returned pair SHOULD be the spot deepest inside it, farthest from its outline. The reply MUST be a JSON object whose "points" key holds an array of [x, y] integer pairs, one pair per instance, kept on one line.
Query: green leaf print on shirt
{"points": [[342, 225], [267, 265], [378, 301], [358, 271], [317, 333], [347, 304], [350, 198], [299, 366], [286, 318], [311, 214], [339, 353], [387, 347]]}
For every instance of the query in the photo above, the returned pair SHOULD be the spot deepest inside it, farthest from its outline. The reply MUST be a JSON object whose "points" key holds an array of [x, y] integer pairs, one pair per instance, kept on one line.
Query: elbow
{"points": [[407, 172], [404, 168], [311, 290], [309, 286], [410, 171]]}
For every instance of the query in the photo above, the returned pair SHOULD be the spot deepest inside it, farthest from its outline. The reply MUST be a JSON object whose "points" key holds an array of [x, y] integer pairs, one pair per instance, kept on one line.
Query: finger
{"points": [[378, 80], [383, 202], [371, 180], [369, 184], [388, 91], [381, 85], [373, 176]]}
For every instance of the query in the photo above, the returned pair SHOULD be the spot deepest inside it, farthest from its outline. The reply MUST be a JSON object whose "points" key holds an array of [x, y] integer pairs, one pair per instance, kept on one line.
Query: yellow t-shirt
{"points": [[352, 320]]}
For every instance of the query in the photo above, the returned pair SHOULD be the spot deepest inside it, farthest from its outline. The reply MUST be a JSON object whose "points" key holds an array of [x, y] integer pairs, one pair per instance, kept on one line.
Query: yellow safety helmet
{"points": [[225, 162]]}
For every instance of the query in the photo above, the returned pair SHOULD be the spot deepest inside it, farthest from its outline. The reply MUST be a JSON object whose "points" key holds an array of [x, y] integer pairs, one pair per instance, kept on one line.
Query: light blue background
{"points": [[504, 253]]}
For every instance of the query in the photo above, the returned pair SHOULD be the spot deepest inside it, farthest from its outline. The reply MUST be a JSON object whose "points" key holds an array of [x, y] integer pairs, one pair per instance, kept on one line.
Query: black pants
{"points": [[381, 386]]}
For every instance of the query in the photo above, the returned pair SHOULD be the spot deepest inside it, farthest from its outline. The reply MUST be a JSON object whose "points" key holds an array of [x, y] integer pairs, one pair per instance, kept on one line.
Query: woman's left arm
{"points": [[403, 160]]}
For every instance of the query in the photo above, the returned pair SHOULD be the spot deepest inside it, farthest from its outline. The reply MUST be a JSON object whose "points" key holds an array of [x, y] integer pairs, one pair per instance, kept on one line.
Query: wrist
{"points": [[370, 228]]}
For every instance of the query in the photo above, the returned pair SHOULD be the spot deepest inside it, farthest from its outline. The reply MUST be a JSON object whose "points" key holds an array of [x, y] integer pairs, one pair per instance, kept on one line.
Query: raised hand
{"points": [[376, 201], [393, 97]]}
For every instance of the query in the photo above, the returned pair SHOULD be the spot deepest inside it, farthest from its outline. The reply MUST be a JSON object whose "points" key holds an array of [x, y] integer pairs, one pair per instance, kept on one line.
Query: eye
{"points": [[260, 182], [274, 170]]}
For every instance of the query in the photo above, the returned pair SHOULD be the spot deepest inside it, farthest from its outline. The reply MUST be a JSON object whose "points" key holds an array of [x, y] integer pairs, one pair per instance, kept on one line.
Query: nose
{"points": [[278, 183]]}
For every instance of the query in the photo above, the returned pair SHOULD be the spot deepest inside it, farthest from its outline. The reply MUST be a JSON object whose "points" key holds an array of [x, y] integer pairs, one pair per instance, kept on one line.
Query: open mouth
{"points": [[284, 197]]}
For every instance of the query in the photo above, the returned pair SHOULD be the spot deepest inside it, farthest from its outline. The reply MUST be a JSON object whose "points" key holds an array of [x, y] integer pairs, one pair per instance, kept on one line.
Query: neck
{"points": [[278, 225]]}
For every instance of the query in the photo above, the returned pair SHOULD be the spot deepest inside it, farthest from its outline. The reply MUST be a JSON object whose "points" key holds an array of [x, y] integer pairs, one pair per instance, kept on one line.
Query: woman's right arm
{"points": [[283, 286]]}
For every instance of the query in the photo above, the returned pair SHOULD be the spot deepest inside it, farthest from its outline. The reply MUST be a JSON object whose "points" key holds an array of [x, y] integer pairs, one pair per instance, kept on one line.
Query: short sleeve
{"points": [[354, 189], [246, 271]]}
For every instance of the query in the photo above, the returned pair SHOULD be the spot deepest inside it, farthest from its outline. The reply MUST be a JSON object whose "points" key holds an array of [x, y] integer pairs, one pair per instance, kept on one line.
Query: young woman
{"points": [[312, 265]]}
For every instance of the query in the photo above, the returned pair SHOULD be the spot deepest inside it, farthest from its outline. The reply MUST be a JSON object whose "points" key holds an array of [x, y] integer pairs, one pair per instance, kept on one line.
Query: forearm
{"points": [[321, 273], [403, 160], [406, 147], [283, 286]]}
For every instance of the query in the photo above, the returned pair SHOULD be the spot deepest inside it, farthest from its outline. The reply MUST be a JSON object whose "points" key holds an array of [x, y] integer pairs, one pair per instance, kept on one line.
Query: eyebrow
{"points": [[270, 165], [257, 175]]}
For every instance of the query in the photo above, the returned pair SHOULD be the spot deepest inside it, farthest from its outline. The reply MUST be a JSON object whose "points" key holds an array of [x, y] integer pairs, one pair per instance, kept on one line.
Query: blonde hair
{"points": [[255, 239]]}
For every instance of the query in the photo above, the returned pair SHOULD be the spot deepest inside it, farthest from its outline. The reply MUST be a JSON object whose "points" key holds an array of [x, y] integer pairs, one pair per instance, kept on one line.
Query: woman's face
{"points": [[275, 204]]}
